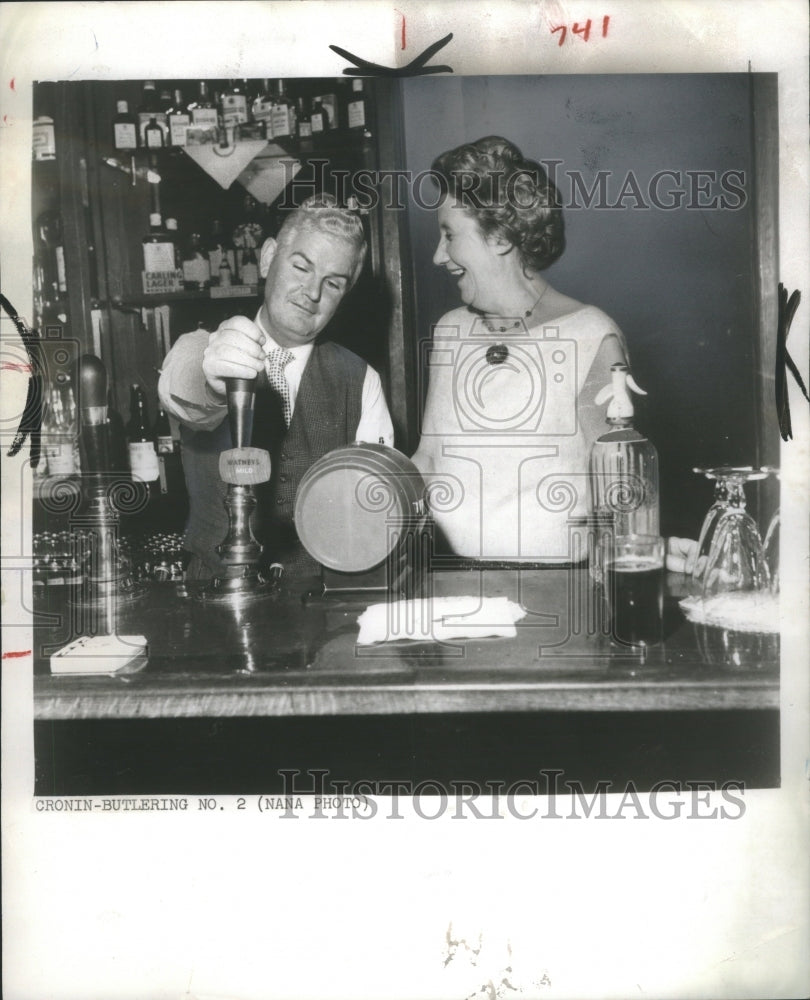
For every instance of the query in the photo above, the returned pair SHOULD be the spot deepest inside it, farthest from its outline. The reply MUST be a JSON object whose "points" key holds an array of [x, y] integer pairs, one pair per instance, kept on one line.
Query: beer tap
{"points": [[242, 468]]}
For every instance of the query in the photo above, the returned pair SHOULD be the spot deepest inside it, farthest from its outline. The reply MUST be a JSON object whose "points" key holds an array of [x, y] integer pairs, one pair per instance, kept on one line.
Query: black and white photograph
{"points": [[402, 453]]}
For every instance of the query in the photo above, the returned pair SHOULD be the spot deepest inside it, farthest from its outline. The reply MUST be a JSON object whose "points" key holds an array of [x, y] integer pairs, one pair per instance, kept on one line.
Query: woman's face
{"points": [[475, 260]]}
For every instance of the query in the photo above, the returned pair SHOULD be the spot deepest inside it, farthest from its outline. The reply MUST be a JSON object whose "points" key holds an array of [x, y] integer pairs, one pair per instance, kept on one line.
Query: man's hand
{"points": [[234, 351]]}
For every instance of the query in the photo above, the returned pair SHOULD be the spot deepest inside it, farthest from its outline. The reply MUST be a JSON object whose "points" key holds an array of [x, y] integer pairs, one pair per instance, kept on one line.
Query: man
{"points": [[311, 396]]}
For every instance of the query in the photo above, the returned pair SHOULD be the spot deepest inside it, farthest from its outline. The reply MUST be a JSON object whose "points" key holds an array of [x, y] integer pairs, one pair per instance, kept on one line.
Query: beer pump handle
{"points": [[241, 395], [242, 465], [94, 438]]}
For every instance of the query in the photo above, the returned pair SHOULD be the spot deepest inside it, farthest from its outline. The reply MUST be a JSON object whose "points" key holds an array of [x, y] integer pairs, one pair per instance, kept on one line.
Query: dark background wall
{"points": [[679, 283]]}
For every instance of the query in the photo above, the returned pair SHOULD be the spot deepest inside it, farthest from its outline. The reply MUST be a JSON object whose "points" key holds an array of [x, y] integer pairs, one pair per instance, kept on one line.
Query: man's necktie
{"points": [[274, 364]]}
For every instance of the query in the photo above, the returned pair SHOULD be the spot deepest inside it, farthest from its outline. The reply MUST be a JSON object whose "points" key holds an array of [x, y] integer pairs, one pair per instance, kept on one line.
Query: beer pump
{"points": [[241, 467]]}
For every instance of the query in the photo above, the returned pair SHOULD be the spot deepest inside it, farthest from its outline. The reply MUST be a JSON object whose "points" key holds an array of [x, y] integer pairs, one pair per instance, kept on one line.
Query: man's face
{"points": [[307, 276]]}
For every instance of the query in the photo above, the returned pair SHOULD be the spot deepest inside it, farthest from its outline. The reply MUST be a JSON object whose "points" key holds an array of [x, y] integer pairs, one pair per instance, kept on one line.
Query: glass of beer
{"points": [[634, 588]]}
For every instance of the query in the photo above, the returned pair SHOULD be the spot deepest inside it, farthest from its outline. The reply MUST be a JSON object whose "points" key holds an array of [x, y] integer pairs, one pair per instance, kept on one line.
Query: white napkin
{"points": [[225, 165], [438, 619]]}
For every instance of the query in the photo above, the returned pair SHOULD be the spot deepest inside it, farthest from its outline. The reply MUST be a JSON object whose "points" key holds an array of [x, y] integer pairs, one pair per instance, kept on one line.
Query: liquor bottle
{"points": [[143, 462], [119, 456], [158, 247], [196, 269], [51, 255], [163, 433], [174, 238], [148, 109], [282, 117], [624, 464], [225, 273], [219, 249], [356, 110], [262, 108], [319, 120], [165, 103], [234, 105], [43, 138], [204, 113], [125, 127], [249, 267], [153, 135], [59, 431], [304, 124], [179, 120]]}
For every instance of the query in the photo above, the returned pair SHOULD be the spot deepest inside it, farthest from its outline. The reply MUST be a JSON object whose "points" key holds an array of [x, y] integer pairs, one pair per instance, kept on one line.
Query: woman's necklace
{"points": [[498, 353]]}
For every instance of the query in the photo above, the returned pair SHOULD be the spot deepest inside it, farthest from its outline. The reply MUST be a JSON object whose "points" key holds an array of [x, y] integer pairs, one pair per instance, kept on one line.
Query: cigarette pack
{"points": [[101, 654]]}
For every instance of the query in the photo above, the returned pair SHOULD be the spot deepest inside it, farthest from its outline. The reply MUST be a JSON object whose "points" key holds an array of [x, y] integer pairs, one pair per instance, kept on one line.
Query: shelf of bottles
{"points": [[204, 243], [301, 115]]}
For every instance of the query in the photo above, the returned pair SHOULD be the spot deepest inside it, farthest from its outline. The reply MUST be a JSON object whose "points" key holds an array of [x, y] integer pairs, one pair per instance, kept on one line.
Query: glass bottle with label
{"points": [[179, 120], [262, 108], [174, 238], [43, 138], [248, 267], [318, 118], [143, 461], [158, 247], [234, 105], [149, 109], [218, 250], [204, 113], [282, 117], [304, 124], [59, 429], [125, 127], [154, 136], [356, 110], [51, 255]]}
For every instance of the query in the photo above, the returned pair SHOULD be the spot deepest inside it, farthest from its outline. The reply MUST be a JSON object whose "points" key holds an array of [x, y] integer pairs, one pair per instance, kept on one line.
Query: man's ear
{"points": [[269, 248]]}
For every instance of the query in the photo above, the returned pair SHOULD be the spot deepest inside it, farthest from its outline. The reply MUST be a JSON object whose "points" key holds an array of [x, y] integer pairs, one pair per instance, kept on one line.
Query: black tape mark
{"points": [[784, 362], [416, 67], [31, 420]]}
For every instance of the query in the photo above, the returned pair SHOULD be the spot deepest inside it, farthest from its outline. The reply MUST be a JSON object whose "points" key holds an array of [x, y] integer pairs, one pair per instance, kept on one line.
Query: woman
{"points": [[510, 414]]}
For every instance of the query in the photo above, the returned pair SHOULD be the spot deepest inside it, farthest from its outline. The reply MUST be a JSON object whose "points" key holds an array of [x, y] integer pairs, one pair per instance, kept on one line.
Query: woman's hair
{"points": [[509, 196], [321, 212]]}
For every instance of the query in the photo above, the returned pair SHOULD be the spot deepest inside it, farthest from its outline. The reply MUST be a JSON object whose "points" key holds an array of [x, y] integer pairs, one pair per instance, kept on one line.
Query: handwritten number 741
{"points": [[583, 30]]}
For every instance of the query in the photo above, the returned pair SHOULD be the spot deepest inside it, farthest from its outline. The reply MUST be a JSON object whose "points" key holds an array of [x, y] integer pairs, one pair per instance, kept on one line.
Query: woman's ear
{"points": [[269, 248], [500, 244]]}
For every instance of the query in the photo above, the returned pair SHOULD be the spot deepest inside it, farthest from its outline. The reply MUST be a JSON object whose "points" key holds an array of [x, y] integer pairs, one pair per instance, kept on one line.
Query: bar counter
{"points": [[281, 656]]}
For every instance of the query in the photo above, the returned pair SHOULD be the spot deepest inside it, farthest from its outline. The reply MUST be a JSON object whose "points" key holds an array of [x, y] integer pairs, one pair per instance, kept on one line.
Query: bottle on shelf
{"points": [[59, 429], [125, 127], [262, 108], [154, 136], [248, 267], [219, 250], [318, 118], [356, 109], [624, 464], [43, 138], [148, 110], [204, 118], [158, 247], [233, 104], [143, 461], [163, 433], [174, 239], [119, 457], [304, 124], [282, 118], [179, 119], [196, 269], [50, 252]]}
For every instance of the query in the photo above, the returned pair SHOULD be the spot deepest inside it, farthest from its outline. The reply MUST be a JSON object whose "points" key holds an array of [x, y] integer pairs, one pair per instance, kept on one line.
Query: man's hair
{"points": [[322, 213]]}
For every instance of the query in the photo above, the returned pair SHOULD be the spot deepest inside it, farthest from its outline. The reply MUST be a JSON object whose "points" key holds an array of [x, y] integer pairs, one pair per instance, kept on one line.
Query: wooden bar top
{"points": [[280, 656]]}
